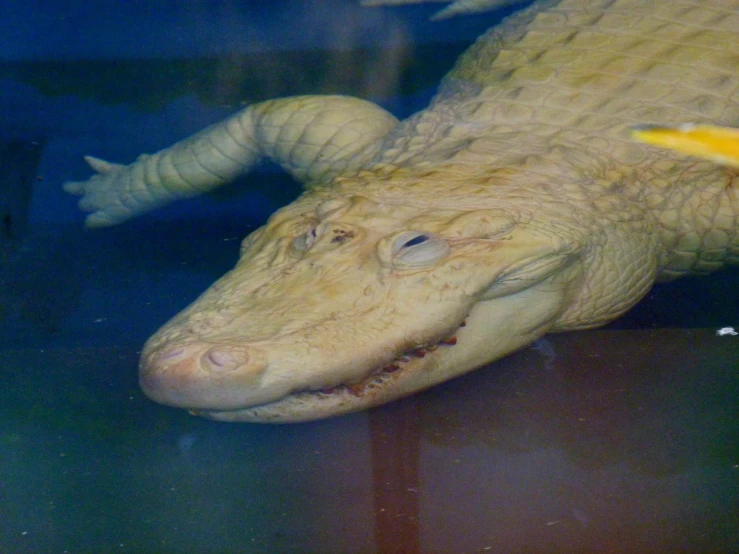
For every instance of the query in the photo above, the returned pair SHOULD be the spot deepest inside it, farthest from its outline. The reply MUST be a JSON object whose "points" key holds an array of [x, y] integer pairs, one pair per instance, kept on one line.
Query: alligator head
{"points": [[337, 305]]}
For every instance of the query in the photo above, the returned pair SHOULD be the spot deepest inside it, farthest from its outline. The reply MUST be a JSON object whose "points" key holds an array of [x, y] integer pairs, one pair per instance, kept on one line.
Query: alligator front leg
{"points": [[312, 137]]}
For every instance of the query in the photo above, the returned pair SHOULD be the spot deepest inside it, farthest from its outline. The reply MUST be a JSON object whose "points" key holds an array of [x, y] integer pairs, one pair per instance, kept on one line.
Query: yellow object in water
{"points": [[720, 144]]}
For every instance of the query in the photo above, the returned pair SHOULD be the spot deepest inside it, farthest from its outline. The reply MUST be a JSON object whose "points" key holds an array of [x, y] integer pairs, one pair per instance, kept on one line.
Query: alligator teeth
{"points": [[357, 389]]}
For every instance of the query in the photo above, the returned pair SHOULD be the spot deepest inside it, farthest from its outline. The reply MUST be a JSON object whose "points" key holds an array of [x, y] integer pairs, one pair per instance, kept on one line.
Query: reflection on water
{"points": [[186, 442], [607, 441]]}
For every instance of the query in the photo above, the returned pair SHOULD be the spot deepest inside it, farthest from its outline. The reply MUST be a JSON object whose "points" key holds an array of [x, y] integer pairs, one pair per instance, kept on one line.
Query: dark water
{"points": [[619, 440], [607, 441]]}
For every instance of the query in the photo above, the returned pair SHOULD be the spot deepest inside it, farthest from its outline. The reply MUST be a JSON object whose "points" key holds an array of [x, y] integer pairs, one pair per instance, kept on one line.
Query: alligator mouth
{"points": [[374, 381], [378, 377]]}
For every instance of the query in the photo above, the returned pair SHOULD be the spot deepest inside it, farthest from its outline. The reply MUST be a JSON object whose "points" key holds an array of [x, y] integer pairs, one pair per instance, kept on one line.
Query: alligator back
{"points": [[555, 90], [598, 65]]}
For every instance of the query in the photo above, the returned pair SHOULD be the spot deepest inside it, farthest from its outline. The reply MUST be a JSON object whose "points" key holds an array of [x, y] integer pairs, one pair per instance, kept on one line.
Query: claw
{"points": [[100, 165], [100, 219], [74, 187]]}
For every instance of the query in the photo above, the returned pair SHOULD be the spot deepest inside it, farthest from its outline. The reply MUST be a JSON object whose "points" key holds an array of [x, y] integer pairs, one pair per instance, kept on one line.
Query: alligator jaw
{"points": [[342, 398], [319, 328]]}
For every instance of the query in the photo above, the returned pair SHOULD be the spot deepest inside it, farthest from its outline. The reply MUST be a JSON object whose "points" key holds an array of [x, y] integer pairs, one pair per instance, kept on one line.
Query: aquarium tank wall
{"points": [[623, 438]]}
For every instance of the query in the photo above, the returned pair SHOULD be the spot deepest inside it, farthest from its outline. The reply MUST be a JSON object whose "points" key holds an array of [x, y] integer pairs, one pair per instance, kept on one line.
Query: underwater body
{"points": [[577, 403], [514, 206]]}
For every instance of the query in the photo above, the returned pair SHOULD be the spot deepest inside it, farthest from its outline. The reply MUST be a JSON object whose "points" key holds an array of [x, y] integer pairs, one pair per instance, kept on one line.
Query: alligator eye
{"points": [[416, 249], [416, 240], [305, 241]]}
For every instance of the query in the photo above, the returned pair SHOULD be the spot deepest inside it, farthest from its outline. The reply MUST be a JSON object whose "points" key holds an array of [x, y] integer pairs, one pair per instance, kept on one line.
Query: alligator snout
{"points": [[201, 375]]}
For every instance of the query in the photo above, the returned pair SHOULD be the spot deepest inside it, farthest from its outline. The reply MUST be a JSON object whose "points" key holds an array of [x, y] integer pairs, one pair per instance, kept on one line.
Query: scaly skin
{"points": [[515, 205]]}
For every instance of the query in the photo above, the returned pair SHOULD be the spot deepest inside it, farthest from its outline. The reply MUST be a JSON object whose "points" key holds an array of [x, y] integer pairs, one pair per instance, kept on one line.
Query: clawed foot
{"points": [[105, 194]]}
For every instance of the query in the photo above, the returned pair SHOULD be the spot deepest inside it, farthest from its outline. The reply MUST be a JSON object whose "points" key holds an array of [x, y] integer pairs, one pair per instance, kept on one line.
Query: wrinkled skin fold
{"points": [[515, 205]]}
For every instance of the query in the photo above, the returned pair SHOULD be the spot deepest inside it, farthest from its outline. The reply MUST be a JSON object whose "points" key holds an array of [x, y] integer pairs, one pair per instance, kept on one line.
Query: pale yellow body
{"points": [[516, 204]]}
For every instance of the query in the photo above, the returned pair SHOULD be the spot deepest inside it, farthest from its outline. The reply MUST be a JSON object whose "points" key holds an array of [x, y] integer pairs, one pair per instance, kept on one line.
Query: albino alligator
{"points": [[513, 206]]}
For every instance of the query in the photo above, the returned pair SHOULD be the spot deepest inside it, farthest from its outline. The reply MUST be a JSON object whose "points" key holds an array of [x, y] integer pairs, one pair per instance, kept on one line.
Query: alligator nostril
{"points": [[227, 358]]}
